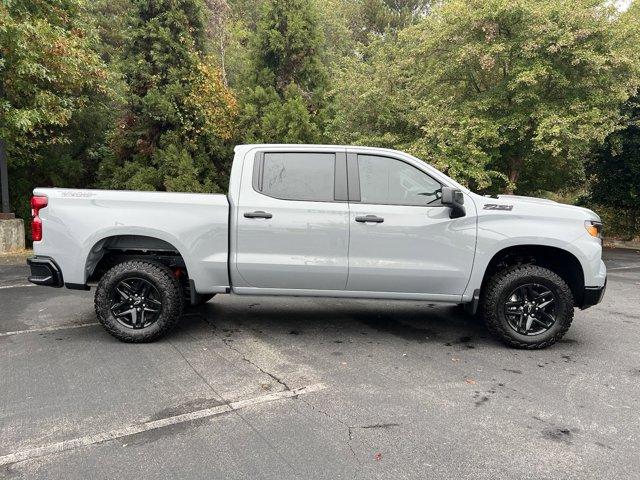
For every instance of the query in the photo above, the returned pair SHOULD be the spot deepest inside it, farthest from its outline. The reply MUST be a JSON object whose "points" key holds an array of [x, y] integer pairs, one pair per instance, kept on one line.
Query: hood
{"points": [[520, 198], [529, 203]]}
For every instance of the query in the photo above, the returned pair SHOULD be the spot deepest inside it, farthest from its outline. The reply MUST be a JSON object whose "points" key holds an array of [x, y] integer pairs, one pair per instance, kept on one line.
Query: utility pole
{"points": [[4, 175], [4, 182]]}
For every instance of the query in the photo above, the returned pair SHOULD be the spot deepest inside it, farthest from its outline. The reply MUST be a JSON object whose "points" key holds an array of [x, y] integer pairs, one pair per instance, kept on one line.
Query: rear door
{"points": [[293, 220], [402, 239]]}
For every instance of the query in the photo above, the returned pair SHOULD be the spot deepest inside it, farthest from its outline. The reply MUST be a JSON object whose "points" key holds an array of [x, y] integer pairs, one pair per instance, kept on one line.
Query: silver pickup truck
{"points": [[322, 220]]}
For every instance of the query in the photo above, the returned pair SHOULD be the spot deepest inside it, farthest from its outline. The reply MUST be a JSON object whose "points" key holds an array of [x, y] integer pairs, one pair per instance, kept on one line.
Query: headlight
{"points": [[594, 228]]}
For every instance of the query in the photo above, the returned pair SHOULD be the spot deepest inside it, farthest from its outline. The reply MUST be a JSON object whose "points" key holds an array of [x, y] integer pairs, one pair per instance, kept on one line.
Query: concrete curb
{"points": [[11, 235], [628, 244], [15, 258]]}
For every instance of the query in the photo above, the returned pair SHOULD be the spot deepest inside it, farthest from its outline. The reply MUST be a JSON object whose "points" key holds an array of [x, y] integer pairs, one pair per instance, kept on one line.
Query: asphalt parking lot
{"points": [[316, 388]]}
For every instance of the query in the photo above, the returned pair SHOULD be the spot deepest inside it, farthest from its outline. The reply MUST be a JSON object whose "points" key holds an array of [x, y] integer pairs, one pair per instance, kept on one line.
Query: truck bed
{"points": [[78, 224]]}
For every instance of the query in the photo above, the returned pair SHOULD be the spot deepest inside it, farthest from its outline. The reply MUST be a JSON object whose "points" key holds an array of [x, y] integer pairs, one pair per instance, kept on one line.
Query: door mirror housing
{"points": [[454, 199]]}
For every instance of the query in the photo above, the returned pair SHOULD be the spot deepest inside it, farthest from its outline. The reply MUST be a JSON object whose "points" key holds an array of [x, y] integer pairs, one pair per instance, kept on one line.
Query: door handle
{"points": [[257, 214], [369, 218]]}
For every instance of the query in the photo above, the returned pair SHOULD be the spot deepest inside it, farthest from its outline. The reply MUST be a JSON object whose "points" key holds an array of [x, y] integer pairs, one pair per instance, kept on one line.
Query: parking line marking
{"points": [[146, 426], [18, 286], [626, 267], [54, 328]]}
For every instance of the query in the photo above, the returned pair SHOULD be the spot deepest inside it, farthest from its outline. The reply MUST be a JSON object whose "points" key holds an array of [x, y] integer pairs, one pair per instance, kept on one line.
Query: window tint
{"points": [[388, 181], [299, 176]]}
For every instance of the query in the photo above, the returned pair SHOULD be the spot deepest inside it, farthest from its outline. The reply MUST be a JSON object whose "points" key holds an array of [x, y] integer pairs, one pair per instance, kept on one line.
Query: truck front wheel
{"points": [[138, 301], [528, 306]]}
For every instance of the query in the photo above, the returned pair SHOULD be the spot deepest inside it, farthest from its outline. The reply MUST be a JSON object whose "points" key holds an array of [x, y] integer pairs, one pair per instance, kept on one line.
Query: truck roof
{"points": [[244, 148], [308, 146]]}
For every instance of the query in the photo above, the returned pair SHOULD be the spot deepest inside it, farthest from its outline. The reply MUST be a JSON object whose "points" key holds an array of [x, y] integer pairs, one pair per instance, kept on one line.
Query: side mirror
{"points": [[453, 198]]}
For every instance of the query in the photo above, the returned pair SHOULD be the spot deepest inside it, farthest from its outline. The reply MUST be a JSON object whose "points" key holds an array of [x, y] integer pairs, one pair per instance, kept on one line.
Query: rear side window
{"points": [[296, 176], [388, 181]]}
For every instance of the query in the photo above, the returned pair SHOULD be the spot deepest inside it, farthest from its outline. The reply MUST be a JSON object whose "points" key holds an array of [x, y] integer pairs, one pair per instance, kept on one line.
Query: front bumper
{"points": [[593, 295], [44, 271]]}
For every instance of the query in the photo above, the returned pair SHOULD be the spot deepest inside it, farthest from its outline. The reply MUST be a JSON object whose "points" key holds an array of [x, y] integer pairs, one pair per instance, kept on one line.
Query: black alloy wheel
{"points": [[135, 303], [138, 300], [530, 309], [527, 306]]}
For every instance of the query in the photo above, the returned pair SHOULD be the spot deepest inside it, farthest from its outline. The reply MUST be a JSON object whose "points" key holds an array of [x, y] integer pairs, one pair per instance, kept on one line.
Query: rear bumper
{"points": [[44, 271], [593, 295]]}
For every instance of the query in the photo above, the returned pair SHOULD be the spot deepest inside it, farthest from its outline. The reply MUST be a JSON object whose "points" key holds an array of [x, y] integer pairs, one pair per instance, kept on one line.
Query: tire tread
{"points": [[166, 282], [491, 298]]}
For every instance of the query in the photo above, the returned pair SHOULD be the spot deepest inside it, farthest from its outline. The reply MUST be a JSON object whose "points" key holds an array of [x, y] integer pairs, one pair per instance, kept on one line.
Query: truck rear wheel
{"points": [[528, 306], [138, 301]]}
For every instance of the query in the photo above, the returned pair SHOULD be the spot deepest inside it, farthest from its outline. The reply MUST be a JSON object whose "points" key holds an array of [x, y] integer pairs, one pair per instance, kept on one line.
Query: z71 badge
{"points": [[495, 206]]}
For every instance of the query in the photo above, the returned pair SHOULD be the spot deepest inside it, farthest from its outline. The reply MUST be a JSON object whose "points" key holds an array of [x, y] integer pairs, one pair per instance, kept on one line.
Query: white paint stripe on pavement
{"points": [[18, 286], [47, 329], [626, 267], [146, 426]]}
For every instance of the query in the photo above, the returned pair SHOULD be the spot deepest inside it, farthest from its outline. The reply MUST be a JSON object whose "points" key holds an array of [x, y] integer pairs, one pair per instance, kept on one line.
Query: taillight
{"points": [[37, 202]]}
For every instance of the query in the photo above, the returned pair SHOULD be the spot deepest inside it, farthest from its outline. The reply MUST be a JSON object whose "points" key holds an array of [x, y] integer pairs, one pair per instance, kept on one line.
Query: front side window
{"points": [[388, 181], [298, 176]]}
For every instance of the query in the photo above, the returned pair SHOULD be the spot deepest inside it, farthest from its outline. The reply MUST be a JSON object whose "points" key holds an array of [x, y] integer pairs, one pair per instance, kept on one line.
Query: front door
{"points": [[293, 221], [401, 237]]}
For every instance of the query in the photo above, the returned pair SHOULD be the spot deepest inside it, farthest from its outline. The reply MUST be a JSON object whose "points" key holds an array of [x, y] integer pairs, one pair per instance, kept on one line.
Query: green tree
{"points": [[285, 98], [178, 121], [111, 18], [517, 90], [371, 19], [531, 85], [51, 81], [614, 176]]}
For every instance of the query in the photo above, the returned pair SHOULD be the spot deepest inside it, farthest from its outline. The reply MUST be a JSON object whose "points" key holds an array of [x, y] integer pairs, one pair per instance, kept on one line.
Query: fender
{"points": [[491, 242]]}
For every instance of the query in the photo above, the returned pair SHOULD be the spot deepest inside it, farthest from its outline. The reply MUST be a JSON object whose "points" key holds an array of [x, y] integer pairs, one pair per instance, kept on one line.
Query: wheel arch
{"points": [[123, 246], [559, 260]]}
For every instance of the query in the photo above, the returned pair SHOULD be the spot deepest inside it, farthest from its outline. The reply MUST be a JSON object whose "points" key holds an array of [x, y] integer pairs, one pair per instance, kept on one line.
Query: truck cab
{"points": [[346, 221]]}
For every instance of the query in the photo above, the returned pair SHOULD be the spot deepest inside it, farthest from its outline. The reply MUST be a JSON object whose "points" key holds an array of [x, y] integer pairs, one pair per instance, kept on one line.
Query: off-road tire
{"points": [[168, 287], [504, 282]]}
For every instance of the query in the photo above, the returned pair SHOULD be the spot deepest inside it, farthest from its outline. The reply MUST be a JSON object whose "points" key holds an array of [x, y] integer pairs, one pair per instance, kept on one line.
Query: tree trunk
{"points": [[218, 17], [514, 165], [4, 178]]}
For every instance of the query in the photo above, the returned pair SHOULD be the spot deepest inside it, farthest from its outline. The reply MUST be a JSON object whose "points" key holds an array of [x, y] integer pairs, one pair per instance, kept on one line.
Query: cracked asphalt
{"points": [[402, 390]]}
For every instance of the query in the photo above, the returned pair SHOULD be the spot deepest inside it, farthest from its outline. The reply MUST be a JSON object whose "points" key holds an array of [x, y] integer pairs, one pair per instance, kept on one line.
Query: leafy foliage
{"points": [[285, 99], [500, 89], [178, 121], [503, 95], [371, 19], [51, 80], [615, 176], [111, 18]]}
